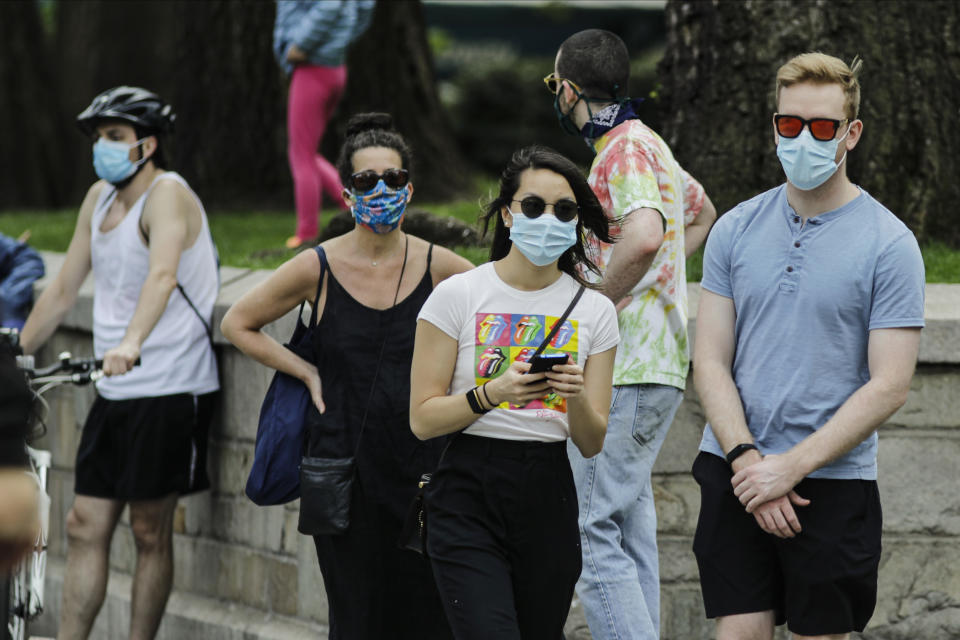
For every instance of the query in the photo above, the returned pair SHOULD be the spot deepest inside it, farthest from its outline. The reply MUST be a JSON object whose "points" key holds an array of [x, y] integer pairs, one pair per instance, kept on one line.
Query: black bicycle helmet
{"points": [[141, 108]]}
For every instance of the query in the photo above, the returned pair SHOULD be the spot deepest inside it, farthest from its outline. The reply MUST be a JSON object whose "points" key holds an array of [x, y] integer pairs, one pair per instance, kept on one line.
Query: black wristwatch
{"points": [[739, 450]]}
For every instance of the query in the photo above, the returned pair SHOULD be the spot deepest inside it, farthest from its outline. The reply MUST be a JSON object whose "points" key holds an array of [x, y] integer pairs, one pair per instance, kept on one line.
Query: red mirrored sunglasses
{"points": [[822, 129]]}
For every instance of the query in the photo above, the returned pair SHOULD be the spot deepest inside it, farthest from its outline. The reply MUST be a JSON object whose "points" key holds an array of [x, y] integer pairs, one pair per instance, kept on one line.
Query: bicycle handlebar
{"points": [[67, 364], [75, 370]]}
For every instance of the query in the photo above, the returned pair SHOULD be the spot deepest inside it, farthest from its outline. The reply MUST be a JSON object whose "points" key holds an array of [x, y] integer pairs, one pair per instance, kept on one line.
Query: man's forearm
{"points": [[153, 299], [721, 402], [693, 237], [623, 274], [696, 232], [641, 234], [49, 310], [854, 421]]}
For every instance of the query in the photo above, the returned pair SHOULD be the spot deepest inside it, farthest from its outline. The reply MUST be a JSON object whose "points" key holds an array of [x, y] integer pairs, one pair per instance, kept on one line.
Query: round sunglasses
{"points": [[565, 210], [366, 180], [822, 129]]}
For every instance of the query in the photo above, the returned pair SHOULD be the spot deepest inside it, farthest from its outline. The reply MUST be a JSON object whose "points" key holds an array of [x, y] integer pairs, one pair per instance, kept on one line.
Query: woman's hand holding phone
{"points": [[566, 380], [517, 386]]}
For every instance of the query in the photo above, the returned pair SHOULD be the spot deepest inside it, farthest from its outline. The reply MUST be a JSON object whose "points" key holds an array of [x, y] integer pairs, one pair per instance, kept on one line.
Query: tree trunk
{"points": [[212, 61], [390, 68], [717, 97], [29, 130], [230, 98]]}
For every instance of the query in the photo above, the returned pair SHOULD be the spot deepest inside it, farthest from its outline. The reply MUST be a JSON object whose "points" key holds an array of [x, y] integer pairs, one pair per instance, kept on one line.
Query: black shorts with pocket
{"points": [[145, 448], [823, 581]]}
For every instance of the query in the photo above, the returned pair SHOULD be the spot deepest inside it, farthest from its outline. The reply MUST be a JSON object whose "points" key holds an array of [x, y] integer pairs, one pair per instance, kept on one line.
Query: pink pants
{"points": [[314, 93]]}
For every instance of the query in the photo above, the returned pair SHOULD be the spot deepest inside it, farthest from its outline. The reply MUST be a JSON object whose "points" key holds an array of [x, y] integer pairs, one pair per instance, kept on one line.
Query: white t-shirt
{"points": [[495, 324]]}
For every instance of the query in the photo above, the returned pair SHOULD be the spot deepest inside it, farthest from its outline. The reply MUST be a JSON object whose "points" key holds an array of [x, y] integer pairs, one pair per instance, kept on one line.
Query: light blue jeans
{"points": [[620, 583]]}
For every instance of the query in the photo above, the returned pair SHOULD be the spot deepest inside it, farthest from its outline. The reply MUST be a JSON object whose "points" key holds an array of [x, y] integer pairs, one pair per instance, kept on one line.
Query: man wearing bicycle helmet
{"points": [[144, 234]]}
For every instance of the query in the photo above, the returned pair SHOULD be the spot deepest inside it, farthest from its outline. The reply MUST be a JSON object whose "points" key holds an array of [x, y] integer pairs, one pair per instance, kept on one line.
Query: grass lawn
{"points": [[243, 236]]}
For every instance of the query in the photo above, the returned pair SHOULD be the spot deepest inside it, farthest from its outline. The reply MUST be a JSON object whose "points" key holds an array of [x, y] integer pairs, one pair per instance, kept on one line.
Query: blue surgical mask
{"points": [[381, 209], [809, 162], [542, 239], [111, 160]]}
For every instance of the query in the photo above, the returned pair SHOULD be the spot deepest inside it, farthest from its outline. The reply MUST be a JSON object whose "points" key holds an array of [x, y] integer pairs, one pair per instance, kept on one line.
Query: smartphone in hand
{"points": [[544, 362]]}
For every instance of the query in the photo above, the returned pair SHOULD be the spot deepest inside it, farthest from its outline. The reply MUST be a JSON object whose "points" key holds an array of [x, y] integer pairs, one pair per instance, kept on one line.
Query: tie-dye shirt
{"points": [[634, 168]]}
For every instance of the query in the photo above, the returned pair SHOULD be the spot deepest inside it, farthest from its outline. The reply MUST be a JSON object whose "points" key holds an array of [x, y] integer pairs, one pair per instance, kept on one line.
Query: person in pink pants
{"points": [[310, 41], [315, 91]]}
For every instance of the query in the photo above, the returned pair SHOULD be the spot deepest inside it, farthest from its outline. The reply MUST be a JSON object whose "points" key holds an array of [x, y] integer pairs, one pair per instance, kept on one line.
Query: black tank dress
{"points": [[375, 589]]}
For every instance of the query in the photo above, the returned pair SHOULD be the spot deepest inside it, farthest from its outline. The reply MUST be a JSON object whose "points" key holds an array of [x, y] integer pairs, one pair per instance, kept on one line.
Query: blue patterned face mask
{"points": [[111, 160], [381, 209], [542, 239]]}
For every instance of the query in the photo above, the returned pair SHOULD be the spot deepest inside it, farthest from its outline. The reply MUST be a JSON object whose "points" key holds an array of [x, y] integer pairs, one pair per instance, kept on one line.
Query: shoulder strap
{"points": [[322, 255], [559, 322], [206, 325], [146, 194], [429, 256]]}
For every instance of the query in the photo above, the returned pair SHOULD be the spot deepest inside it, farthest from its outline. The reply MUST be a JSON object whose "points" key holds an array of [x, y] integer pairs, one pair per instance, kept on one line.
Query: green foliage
{"points": [[941, 263], [439, 40], [49, 230], [695, 266]]}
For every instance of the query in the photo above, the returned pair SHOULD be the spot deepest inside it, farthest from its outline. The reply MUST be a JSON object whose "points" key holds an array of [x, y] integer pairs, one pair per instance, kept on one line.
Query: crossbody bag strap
{"points": [[206, 325], [383, 345], [559, 322]]}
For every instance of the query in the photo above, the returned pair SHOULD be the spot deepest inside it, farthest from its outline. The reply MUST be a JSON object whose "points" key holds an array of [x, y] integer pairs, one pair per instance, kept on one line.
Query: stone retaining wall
{"points": [[243, 572]]}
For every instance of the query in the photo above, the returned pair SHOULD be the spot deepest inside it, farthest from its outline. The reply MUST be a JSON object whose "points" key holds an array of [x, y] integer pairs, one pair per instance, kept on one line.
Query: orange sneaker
{"points": [[296, 242]]}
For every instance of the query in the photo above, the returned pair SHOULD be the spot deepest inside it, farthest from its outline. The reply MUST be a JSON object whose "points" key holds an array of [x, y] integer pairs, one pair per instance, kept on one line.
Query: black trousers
{"points": [[375, 589], [502, 537]]}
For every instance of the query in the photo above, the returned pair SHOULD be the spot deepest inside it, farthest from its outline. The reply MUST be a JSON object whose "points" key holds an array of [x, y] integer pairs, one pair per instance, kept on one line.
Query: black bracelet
{"points": [[474, 401], [739, 450], [483, 388]]}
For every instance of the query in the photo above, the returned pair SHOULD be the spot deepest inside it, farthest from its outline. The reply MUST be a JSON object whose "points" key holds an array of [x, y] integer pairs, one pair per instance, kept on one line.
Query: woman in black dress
{"points": [[372, 283]]}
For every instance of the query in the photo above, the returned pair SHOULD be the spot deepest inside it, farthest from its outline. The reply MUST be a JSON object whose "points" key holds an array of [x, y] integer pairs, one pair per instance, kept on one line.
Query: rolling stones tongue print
{"points": [[501, 338]]}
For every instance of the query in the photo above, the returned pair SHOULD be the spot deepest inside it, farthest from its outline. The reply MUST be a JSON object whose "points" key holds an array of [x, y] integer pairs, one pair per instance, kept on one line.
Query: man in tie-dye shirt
{"points": [[663, 216]]}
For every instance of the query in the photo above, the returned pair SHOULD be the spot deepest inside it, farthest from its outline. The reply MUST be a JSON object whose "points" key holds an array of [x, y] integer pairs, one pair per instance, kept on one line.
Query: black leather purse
{"points": [[326, 484], [413, 535]]}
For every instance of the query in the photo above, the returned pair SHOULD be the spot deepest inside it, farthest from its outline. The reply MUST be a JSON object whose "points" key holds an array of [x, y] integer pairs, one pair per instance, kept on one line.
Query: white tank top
{"points": [[176, 356]]}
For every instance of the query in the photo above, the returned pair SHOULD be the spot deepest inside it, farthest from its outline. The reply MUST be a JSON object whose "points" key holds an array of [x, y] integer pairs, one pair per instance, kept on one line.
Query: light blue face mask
{"points": [[542, 239], [809, 162], [111, 160]]}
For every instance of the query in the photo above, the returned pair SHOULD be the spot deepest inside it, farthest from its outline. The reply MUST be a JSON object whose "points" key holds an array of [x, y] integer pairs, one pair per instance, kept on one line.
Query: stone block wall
{"points": [[243, 572]]}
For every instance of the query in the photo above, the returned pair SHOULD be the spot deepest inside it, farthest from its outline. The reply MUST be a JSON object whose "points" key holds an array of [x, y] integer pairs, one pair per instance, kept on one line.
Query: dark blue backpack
{"points": [[275, 475]]}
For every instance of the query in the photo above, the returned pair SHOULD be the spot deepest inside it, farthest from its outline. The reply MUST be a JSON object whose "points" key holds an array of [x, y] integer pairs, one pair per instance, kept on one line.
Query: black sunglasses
{"points": [[822, 129], [366, 180], [533, 206]]}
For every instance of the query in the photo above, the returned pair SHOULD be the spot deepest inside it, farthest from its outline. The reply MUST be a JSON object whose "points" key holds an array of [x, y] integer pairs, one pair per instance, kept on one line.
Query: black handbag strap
{"points": [[383, 345], [322, 256], [559, 322]]}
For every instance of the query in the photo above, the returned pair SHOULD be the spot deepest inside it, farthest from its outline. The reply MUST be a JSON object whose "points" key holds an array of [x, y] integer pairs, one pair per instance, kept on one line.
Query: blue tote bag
{"points": [[275, 475]]}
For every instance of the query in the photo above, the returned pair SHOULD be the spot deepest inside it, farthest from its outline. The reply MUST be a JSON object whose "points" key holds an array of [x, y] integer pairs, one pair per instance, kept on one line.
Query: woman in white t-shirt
{"points": [[502, 507]]}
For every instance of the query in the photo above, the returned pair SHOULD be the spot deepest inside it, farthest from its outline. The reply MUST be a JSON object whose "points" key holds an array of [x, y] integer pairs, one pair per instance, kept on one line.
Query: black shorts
{"points": [[823, 581], [145, 448]]}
